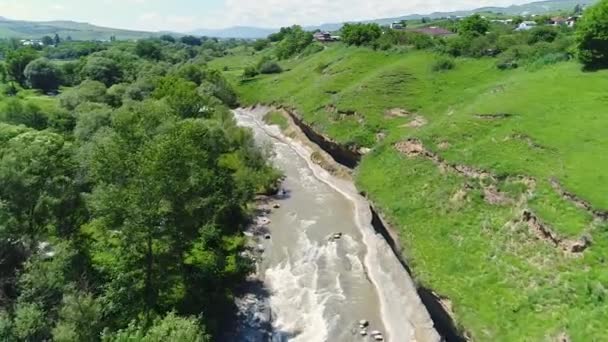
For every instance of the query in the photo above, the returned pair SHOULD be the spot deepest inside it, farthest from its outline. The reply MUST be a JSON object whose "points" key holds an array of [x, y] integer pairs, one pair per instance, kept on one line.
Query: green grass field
{"points": [[550, 123]]}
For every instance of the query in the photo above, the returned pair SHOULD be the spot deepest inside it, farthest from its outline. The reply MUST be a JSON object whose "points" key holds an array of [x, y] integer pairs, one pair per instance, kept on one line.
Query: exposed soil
{"points": [[397, 113], [418, 122], [579, 202], [415, 148], [444, 145], [528, 140], [493, 116], [545, 233]]}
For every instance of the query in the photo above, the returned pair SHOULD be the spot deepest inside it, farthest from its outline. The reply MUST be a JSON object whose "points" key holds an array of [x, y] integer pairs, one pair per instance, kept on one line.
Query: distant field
{"points": [[539, 133], [78, 31]]}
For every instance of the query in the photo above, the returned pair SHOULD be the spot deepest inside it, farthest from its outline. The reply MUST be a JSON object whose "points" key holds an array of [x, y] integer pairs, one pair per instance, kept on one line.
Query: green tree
{"points": [[294, 42], [191, 40], [43, 75], [167, 38], [17, 61], [35, 170], [102, 69], [592, 37], [360, 34], [473, 25], [80, 318], [261, 44], [150, 49], [87, 91], [57, 39], [28, 114], [30, 323], [181, 96], [47, 40], [170, 328]]}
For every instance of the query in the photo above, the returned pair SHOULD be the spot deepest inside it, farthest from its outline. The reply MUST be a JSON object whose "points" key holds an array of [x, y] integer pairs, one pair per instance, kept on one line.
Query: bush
{"points": [[261, 44], [270, 68], [294, 42], [592, 37], [542, 34], [250, 72], [474, 25], [506, 65], [443, 64]]}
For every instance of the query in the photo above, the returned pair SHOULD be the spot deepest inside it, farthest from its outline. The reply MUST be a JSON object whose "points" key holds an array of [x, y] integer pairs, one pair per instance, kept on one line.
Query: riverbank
{"points": [[402, 309]]}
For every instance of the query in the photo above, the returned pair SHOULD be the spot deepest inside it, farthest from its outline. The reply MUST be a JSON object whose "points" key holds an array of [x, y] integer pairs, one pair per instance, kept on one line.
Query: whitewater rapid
{"points": [[319, 288]]}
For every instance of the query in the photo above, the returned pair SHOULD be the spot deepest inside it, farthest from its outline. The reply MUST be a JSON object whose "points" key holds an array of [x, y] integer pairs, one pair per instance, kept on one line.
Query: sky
{"points": [[187, 15]]}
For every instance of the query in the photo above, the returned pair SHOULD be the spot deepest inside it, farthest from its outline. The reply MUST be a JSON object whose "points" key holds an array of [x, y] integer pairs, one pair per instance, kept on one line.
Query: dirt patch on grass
{"points": [[397, 113], [493, 196], [546, 233], [493, 116], [526, 139], [579, 202], [444, 145], [415, 148], [419, 121]]}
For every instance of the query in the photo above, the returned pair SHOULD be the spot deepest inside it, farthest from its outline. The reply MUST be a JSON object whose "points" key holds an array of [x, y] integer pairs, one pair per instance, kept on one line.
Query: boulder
{"points": [[363, 323]]}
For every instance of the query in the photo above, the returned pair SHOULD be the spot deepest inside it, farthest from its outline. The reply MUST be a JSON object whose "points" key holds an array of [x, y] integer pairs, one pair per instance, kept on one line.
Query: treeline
{"points": [[473, 37], [122, 207]]}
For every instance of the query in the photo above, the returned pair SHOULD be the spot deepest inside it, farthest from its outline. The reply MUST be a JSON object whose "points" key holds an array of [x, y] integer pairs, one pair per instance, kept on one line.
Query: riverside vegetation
{"points": [[487, 156], [125, 186]]}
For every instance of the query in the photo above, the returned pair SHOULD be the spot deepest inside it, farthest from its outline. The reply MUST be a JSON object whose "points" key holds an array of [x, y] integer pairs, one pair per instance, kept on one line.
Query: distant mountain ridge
{"points": [[79, 31], [538, 7]]}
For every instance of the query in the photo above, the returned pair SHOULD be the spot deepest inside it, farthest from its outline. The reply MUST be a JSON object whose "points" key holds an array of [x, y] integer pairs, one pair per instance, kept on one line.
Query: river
{"points": [[320, 285]]}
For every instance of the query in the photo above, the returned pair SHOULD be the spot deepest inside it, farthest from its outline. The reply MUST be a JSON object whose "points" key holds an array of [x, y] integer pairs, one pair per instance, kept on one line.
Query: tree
{"points": [[261, 44], [47, 40], [87, 91], [295, 41], [181, 96], [167, 38], [57, 39], [43, 75], [169, 328], [102, 69], [148, 49], [592, 37], [191, 40], [16, 61], [474, 25], [35, 177], [30, 115], [360, 34]]}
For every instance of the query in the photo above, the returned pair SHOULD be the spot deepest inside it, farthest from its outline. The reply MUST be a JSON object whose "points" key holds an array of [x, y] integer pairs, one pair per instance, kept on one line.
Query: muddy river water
{"points": [[321, 285]]}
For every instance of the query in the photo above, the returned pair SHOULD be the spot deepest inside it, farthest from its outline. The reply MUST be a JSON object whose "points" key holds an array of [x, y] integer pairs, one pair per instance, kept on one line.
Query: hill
{"points": [[78, 31], [531, 8], [240, 32], [491, 196]]}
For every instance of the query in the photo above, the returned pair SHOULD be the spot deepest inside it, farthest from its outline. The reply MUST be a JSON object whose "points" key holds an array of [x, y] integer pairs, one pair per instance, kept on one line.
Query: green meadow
{"points": [[543, 123]]}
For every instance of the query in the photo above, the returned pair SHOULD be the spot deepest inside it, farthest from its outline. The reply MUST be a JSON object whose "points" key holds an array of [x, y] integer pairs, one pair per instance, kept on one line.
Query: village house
{"points": [[558, 21], [526, 25], [323, 37], [397, 25]]}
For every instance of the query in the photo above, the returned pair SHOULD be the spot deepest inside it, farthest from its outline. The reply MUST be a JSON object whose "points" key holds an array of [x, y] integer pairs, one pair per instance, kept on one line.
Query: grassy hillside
{"points": [[78, 31], [457, 158]]}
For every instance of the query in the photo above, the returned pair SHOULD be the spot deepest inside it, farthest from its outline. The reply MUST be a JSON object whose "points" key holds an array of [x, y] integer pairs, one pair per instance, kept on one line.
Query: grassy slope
{"points": [[503, 282], [78, 31]]}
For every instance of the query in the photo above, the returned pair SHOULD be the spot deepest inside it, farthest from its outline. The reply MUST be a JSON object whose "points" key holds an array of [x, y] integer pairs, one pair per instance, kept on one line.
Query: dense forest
{"points": [[124, 187]]}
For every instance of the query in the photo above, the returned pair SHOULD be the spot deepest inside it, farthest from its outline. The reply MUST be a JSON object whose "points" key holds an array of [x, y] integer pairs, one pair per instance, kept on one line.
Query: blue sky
{"points": [[185, 15]]}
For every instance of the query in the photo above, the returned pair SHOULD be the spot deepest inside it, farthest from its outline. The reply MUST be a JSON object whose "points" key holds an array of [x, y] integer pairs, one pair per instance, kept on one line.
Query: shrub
{"points": [[443, 64], [592, 37], [506, 64], [250, 71], [270, 68], [542, 34], [474, 25]]}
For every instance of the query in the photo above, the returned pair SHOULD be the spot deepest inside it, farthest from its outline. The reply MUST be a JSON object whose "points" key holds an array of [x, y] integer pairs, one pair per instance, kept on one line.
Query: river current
{"points": [[324, 266]]}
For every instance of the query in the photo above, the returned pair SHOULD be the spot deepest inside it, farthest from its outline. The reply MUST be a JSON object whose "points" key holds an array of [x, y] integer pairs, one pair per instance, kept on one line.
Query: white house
{"points": [[526, 25]]}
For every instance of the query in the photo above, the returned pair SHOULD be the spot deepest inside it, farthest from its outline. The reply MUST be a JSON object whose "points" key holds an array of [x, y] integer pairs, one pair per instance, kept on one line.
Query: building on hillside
{"points": [[323, 37], [557, 21], [571, 21], [434, 31], [31, 42], [526, 25], [397, 25]]}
